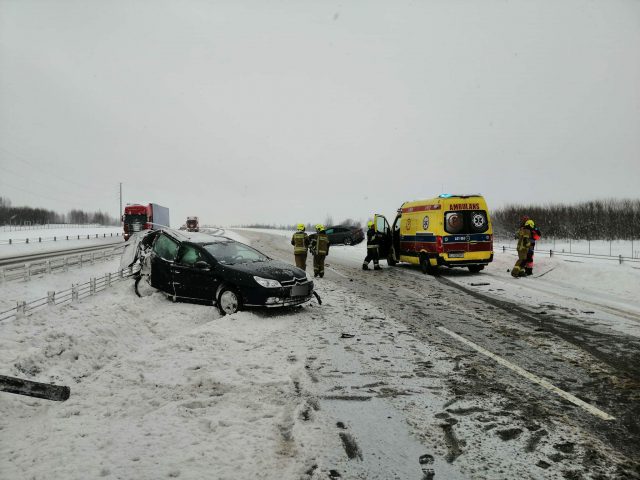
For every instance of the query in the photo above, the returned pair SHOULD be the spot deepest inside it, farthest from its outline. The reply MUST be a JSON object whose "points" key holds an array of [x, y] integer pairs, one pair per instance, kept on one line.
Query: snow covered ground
{"points": [[173, 390]]}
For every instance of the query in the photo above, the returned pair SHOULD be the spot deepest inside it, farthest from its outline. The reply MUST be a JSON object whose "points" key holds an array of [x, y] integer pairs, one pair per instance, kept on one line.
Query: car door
{"points": [[165, 250], [193, 275], [382, 226]]}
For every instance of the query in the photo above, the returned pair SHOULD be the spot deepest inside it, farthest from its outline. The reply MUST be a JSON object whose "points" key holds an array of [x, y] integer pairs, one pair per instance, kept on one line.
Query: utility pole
{"points": [[120, 211]]}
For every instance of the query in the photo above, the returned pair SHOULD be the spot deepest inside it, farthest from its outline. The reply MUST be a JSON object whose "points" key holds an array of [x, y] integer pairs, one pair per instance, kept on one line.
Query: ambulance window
{"points": [[453, 222], [380, 224], [478, 221]]}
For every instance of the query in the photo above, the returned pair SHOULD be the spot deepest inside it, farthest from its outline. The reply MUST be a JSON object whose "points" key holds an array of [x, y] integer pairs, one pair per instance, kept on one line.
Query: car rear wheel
{"points": [[348, 241], [229, 301]]}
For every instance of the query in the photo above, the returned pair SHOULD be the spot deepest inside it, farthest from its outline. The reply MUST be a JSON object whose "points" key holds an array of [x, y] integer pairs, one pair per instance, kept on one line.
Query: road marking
{"points": [[530, 376], [335, 271]]}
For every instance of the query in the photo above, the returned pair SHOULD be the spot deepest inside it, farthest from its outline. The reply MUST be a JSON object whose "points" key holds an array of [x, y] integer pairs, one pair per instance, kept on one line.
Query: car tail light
{"points": [[439, 247]]}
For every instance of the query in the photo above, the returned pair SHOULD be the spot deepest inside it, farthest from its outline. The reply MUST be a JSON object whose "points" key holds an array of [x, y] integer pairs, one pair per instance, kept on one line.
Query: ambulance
{"points": [[449, 230]]}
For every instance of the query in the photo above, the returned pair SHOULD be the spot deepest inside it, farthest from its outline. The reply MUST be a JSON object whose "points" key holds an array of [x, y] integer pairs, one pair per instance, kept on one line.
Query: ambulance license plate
{"points": [[456, 255], [299, 290]]}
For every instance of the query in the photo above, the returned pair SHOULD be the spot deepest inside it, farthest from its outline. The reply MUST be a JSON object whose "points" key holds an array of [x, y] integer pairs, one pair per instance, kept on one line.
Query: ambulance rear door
{"points": [[381, 225]]}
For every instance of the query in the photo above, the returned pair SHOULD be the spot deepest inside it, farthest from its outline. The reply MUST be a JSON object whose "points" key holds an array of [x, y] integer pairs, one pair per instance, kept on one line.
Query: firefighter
{"points": [[524, 242], [373, 248], [319, 248], [535, 235], [300, 242]]}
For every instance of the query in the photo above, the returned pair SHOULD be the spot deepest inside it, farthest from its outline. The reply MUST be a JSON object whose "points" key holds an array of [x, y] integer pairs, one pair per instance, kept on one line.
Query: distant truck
{"points": [[192, 224], [144, 217]]}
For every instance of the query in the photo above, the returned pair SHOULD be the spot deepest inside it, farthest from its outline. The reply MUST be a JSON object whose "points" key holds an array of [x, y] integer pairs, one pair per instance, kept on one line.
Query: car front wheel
{"points": [[229, 301]]}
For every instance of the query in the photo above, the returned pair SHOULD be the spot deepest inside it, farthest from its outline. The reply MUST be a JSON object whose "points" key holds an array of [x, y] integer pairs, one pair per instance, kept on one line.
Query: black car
{"points": [[219, 270], [344, 235]]}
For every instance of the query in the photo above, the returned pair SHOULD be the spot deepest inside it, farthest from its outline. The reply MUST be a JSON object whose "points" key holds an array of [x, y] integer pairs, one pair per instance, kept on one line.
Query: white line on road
{"points": [[335, 271], [530, 376]]}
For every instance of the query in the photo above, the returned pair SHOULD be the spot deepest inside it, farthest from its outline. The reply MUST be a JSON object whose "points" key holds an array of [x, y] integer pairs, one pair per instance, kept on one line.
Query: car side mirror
{"points": [[202, 265]]}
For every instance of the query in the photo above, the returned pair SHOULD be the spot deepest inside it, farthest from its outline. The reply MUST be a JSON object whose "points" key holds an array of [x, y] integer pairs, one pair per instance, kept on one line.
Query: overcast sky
{"points": [[289, 111]]}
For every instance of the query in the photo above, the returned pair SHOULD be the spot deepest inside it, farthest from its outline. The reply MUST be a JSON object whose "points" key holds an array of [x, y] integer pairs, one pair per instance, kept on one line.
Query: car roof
{"points": [[196, 237]]}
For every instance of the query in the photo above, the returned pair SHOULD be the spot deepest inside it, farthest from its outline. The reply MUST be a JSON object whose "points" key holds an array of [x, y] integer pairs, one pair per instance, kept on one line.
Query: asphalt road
{"points": [[545, 372]]}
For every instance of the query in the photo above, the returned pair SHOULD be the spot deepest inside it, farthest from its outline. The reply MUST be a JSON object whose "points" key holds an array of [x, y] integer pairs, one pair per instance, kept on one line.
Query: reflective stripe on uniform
{"points": [[322, 244], [299, 243]]}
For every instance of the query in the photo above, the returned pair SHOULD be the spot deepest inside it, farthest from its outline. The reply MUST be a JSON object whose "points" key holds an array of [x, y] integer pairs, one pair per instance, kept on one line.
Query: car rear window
{"points": [[466, 221]]}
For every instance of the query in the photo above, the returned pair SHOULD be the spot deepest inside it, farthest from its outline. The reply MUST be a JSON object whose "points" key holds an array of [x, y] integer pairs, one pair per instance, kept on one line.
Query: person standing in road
{"points": [[524, 242], [373, 248], [535, 235], [319, 247], [300, 242]]}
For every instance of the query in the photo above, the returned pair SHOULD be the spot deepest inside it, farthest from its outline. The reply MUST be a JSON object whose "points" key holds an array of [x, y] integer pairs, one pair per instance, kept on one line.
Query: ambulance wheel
{"points": [[229, 301], [425, 265], [475, 268], [391, 262]]}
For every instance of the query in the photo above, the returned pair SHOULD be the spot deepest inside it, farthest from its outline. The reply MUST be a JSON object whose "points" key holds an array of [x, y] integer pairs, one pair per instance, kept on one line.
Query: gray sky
{"points": [[286, 111]]}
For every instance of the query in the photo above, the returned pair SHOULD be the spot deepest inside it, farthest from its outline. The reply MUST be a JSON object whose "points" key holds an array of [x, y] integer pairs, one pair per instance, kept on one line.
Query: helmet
{"points": [[301, 227], [319, 227], [529, 223], [370, 223]]}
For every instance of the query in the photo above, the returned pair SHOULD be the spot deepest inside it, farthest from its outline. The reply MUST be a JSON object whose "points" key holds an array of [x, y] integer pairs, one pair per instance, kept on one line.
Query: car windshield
{"points": [[230, 253]]}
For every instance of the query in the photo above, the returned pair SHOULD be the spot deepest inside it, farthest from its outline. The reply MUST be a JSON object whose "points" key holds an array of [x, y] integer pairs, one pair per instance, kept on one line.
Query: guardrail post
{"points": [[620, 259], [74, 292], [550, 253], [39, 239], [10, 240], [51, 298], [65, 264], [21, 309], [504, 249], [93, 258], [92, 286], [26, 272], [78, 237], [55, 239], [87, 237], [108, 279], [26, 241], [121, 274], [96, 235], [48, 264]]}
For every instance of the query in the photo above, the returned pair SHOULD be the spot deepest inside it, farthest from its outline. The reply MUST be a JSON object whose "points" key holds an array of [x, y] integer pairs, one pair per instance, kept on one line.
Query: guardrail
{"points": [[47, 226], [26, 270], [619, 258], [76, 293], [55, 238]]}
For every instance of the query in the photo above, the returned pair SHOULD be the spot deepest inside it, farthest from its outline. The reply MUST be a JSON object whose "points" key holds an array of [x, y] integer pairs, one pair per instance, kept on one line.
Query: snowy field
{"points": [[173, 390]]}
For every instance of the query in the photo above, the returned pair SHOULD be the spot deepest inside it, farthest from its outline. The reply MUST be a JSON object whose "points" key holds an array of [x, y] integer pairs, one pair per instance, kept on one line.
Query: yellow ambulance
{"points": [[449, 230]]}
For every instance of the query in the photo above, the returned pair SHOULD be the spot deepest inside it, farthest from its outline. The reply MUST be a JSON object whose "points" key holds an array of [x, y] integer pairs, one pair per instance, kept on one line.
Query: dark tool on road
{"points": [[47, 391], [317, 297]]}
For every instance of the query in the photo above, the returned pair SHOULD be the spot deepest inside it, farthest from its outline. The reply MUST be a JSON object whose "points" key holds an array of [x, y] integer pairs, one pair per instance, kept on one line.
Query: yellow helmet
{"points": [[370, 223], [529, 223], [301, 227], [319, 227]]}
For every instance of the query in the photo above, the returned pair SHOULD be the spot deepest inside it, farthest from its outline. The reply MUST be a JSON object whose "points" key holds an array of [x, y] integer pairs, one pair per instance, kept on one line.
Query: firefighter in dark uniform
{"points": [[373, 248], [535, 235], [319, 247], [300, 242]]}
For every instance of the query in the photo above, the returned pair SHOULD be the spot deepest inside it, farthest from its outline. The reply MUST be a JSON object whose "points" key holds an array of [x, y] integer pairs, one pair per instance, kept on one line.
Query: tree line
{"points": [[40, 216], [328, 222], [612, 219]]}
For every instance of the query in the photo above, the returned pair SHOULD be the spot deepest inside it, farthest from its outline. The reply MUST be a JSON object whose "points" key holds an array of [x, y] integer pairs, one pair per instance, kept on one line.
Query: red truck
{"points": [[144, 217]]}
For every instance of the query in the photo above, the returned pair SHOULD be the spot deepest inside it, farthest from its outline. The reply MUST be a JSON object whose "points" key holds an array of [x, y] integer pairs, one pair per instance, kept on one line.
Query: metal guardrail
{"points": [[76, 293], [619, 258], [26, 270], [11, 241]]}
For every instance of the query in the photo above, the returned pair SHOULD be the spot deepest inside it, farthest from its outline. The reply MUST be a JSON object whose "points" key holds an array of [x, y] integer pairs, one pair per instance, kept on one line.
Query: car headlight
{"points": [[267, 282]]}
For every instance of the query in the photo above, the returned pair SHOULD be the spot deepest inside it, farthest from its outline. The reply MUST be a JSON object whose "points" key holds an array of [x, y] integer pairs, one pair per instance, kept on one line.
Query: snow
{"points": [[174, 390]]}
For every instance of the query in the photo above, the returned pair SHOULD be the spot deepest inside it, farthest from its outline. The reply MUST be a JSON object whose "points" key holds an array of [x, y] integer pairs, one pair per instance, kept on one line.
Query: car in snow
{"points": [[215, 269], [346, 235]]}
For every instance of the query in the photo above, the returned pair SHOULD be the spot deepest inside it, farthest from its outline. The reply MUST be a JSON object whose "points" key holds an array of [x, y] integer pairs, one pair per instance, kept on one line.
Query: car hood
{"points": [[274, 269]]}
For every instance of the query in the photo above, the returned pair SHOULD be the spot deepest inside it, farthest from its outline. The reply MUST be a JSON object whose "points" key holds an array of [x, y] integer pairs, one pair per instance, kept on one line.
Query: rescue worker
{"points": [[535, 235], [524, 243], [373, 248], [300, 242], [319, 247]]}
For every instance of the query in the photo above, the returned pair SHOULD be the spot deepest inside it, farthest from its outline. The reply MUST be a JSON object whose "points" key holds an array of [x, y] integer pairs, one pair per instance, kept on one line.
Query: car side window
{"points": [[330, 231], [166, 248], [189, 255]]}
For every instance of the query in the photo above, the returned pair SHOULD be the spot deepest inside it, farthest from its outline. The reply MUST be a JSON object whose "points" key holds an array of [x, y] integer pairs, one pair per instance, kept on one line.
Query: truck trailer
{"points": [[138, 217]]}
